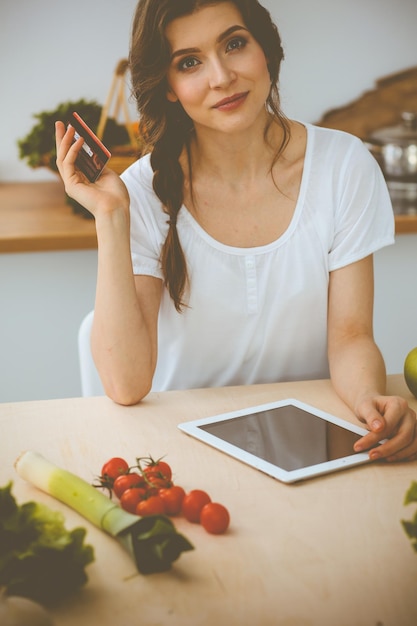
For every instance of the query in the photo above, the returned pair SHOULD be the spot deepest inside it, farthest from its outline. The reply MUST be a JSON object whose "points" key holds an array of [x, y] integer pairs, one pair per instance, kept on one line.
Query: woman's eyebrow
{"points": [[230, 31], [220, 38]]}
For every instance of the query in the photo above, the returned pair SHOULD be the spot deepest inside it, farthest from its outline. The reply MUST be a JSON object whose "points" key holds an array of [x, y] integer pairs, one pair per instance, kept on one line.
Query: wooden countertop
{"points": [[329, 551], [35, 217]]}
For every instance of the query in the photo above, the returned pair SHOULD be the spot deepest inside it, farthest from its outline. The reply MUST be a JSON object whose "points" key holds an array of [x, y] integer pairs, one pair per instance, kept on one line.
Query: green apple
{"points": [[410, 371]]}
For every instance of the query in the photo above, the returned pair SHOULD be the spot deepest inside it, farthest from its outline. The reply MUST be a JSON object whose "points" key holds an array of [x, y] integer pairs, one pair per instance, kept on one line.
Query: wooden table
{"points": [[328, 552]]}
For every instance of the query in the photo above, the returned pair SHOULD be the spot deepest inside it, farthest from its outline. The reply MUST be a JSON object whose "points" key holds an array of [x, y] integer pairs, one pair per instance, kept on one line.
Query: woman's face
{"points": [[218, 70]]}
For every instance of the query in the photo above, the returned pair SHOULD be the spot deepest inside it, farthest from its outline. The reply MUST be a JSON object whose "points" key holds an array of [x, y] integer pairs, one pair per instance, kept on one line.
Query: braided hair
{"points": [[165, 125]]}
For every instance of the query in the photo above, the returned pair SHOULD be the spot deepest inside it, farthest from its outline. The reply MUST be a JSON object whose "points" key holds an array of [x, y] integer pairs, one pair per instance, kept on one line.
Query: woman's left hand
{"points": [[388, 417]]}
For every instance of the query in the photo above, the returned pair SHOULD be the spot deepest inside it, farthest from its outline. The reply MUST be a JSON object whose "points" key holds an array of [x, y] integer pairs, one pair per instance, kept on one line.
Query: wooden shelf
{"points": [[405, 224], [35, 217]]}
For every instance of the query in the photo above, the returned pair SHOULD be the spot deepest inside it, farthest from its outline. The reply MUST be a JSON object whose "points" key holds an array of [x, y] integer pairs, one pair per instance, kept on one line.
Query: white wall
{"points": [[395, 319], [44, 297], [337, 49], [52, 51]]}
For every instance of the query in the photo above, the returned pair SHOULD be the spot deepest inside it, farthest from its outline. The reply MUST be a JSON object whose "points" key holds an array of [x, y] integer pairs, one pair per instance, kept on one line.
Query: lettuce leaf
{"points": [[39, 558], [410, 526]]}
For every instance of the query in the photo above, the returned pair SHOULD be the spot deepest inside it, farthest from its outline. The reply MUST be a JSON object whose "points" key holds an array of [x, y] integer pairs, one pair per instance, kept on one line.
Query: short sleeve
{"points": [[148, 226], [363, 217]]}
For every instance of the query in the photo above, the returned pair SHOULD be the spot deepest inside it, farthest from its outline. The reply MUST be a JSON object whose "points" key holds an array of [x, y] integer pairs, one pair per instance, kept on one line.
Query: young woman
{"points": [[239, 249]]}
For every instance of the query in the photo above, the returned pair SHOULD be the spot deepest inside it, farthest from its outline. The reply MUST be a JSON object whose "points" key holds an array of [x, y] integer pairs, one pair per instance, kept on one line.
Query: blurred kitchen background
{"points": [[53, 51]]}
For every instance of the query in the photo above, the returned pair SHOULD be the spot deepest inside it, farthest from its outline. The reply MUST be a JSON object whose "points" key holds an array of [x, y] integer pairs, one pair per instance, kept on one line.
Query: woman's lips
{"points": [[228, 104]]}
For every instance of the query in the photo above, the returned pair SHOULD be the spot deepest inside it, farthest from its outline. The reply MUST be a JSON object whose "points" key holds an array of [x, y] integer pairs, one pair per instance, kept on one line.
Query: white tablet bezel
{"points": [[193, 428]]}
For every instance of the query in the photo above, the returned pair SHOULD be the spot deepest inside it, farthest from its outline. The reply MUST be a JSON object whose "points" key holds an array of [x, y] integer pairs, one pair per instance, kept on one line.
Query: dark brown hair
{"points": [[165, 124]]}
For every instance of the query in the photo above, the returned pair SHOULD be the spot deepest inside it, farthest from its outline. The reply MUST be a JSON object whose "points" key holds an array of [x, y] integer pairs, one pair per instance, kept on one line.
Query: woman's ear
{"points": [[171, 96]]}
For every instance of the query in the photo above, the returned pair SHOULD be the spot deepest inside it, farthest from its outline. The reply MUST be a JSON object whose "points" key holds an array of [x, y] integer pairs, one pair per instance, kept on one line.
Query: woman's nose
{"points": [[221, 74]]}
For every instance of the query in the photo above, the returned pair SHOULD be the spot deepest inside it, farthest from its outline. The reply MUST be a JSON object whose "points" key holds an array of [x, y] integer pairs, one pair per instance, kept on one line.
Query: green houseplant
{"points": [[37, 148]]}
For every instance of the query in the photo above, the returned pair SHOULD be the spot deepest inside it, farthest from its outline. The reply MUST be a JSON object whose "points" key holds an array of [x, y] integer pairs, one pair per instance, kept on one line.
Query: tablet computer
{"points": [[287, 439]]}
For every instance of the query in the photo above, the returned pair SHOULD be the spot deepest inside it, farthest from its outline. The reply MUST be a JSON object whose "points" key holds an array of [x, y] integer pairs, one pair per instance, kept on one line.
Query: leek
{"points": [[153, 542]]}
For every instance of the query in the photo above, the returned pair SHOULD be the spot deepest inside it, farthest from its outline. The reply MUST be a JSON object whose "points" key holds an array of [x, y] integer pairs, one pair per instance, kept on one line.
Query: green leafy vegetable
{"points": [[37, 148], [39, 558], [410, 526]]}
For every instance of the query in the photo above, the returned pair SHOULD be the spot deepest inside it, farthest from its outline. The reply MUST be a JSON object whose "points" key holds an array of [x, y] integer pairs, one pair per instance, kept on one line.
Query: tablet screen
{"points": [[287, 436], [287, 439]]}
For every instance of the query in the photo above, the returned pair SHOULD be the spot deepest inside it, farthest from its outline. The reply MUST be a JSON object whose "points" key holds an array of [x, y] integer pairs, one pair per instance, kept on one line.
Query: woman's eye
{"points": [[236, 43], [187, 64]]}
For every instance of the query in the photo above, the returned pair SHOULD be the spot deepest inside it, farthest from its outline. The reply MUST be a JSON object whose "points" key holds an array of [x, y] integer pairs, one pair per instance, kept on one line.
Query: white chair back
{"points": [[90, 380]]}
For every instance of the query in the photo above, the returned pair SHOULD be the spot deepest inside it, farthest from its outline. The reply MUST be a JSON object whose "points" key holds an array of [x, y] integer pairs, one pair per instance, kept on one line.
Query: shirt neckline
{"points": [[185, 214]]}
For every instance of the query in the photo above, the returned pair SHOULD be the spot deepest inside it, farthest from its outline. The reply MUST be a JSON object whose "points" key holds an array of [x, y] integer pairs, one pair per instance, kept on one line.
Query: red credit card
{"points": [[94, 155]]}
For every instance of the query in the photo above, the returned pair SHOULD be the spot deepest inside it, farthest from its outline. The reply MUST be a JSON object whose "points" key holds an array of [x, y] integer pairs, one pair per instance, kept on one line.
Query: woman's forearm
{"points": [[122, 343], [357, 369], [359, 377]]}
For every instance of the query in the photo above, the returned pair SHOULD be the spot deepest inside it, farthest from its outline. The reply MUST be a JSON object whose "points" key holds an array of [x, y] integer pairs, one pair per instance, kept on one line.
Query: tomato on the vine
{"points": [[130, 498], [154, 505], [114, 467], [125, 481], [214, 518], [149, 490], [192, 504], [154, 484], [172, 498], [156, 469]]}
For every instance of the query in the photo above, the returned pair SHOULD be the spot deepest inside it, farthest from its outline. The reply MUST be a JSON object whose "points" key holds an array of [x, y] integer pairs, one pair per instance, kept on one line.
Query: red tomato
{"points": [[154, 505], [192, 504], [172, 498], [125, 481], [158, 469], [130, 498], [114, 467], [214, 518], [155, 483]]}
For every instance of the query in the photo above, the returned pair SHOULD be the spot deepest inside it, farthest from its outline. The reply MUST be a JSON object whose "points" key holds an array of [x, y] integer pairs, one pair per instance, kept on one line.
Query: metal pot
{"points": [[395, 149]]}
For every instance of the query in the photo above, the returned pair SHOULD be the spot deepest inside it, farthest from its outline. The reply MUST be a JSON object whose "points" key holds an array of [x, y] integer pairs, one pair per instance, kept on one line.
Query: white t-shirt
{"points": [[259, 314]]}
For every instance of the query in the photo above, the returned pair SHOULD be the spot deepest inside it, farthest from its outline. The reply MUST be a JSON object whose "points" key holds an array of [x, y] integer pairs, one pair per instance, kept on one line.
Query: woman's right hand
{"points": [[107, 194]]}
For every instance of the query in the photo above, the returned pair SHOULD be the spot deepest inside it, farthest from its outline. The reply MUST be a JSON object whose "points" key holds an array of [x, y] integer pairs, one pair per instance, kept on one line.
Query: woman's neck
{"points": [[233, 157]]}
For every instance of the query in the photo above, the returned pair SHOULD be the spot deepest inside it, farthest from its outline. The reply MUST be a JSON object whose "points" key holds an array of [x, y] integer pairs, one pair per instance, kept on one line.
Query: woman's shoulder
{"points": [[145, 206], [139, 174], [337, 149], [138, 179], [333, 137]]}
